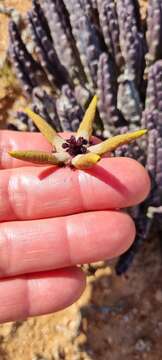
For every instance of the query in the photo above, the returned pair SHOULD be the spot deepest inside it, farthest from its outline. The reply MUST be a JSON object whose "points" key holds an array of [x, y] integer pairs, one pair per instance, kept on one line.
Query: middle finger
{"points": [[33, 192], [40, 245]]}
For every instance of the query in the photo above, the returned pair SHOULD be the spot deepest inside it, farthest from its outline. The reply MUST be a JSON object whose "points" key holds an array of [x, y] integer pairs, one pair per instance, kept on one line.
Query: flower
{"points": [[75, 151]]}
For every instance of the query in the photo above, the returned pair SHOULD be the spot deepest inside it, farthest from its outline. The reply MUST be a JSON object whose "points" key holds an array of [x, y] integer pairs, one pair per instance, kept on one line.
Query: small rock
{"points": [[143, 346]]}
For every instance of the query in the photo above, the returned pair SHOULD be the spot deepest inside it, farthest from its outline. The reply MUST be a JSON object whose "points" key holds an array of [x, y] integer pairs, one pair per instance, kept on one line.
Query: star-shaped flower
{"points": [[76, 150]]}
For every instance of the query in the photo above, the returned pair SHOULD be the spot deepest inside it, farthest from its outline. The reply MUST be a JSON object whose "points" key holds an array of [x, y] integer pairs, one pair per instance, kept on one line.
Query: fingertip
{"points": [[134, 177], [79, 283], [124, 232], [75, 281], [142, 182], [39, 293], [55, 291], [128, 234]]}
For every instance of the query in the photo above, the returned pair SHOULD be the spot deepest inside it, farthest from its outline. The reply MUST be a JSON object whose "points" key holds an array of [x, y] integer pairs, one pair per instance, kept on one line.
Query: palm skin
{"points": [[52, 219]]}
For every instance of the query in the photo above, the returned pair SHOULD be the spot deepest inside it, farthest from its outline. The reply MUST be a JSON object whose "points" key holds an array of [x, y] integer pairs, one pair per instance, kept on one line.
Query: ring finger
{"points": [[40, 245], [39, 293]]}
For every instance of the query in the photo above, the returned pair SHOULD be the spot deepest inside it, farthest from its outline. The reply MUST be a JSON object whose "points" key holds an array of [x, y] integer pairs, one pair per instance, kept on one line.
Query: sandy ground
{"points": [[117, 318]]}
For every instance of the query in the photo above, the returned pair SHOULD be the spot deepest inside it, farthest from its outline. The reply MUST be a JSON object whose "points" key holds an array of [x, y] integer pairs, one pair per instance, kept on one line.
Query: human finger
{"points": [[31, 246], [34, 193], [38, 294], [15, 140]]}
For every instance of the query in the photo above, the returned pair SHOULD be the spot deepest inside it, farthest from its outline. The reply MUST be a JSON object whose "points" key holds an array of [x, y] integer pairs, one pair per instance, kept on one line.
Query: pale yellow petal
{"points": [[47, 130], [116, 141], [85, 161], [86, 126], [39, 157]]}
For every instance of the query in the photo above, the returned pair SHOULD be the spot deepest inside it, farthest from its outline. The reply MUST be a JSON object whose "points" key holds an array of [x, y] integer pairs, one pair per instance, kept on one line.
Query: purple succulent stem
{"points": [[63, 40], [38, 9], [154, 31], [110, 29], [131, 39], [91, 10], [107, 93], [69, 111], [88, 7], [27, 69], [154, 93], [128, 101], [151, 152], [143, 226], [94, 4], [154, 166], [133, 150], [149, 119], [87, 40], [45, 106], [19, 122], [55, 71], [159, 167]]}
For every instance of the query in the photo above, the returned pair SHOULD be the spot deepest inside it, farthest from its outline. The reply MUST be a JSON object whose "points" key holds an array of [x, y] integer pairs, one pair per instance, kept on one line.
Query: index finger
{"points": [[35, 193], [15, 140]]}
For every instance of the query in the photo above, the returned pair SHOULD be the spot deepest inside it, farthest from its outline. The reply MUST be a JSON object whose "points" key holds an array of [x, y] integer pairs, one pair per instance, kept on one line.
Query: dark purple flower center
{"points": [[75, 146]]}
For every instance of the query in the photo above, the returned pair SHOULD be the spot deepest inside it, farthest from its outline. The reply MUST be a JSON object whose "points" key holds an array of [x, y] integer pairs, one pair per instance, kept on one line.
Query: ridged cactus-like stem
{"points": [[45, 106], [154, 30], [69, 111], [154, 95], [131, 39], [61, 33], [110, 29], [86, 38], [27, 69], [55, 71], [107, 93], [129, 102]]}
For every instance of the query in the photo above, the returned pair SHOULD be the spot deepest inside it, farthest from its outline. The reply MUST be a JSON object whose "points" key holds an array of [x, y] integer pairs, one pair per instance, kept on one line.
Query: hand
{"points": [[53, 219]]}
